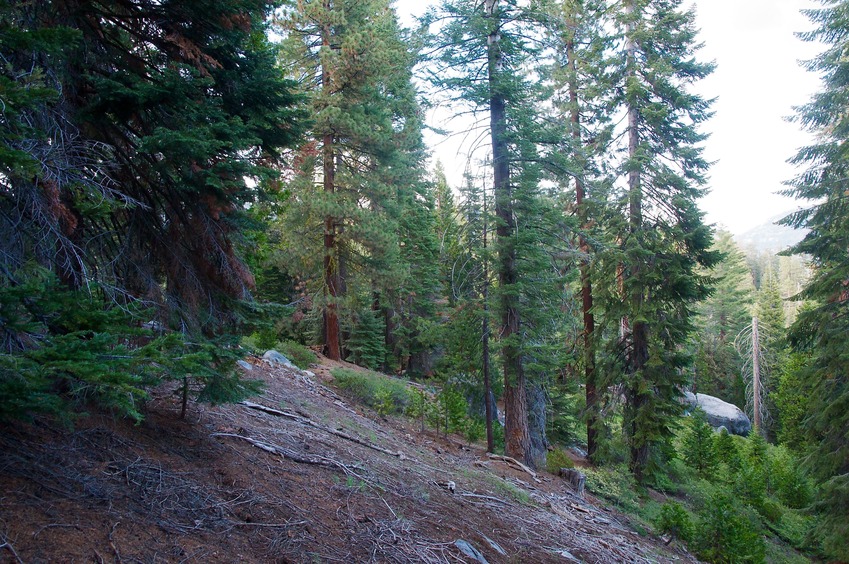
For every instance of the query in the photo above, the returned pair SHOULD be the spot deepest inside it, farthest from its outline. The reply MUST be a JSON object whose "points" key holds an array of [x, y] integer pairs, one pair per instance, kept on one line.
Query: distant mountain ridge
{"points": [[770, 236]]}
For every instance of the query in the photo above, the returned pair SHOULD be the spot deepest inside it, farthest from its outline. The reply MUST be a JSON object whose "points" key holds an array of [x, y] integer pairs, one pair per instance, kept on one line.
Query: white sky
{"points": [[757, 82]]}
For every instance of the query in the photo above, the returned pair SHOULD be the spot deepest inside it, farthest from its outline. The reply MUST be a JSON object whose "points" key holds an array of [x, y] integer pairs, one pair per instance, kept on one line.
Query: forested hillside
{"points": [[186, 183]]}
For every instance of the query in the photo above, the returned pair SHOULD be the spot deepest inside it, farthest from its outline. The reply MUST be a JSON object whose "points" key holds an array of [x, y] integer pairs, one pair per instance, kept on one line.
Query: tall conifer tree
{"points": [[718, 365], [820, 331], [662, 238], [482, 55], [131, 142], [363, 166], [582, 103]]}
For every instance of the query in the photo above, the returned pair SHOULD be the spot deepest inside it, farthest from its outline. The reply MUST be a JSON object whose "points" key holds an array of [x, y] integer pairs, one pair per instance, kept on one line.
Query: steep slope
{"points": [[297, 475]]}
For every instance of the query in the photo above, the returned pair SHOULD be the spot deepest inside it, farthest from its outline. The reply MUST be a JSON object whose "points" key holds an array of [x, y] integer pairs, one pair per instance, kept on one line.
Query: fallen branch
{"points": [[305, 421], [8, 546], [516, 464], [479, 496], [295, 457], [557, 511], [112, 543], [269, 524], [284, 452]]}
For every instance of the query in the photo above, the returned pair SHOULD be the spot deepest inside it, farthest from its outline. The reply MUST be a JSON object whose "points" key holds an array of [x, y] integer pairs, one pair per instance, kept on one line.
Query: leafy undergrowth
{"points": [[301, 474], [726, 498]]}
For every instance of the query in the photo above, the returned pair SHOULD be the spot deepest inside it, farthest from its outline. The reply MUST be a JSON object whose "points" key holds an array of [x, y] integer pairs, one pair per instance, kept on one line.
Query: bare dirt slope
{"points": [[298, 475]]}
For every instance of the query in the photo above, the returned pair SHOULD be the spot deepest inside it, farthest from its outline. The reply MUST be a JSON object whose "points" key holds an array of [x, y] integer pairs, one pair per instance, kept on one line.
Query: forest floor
{"points": [[299, 474]]}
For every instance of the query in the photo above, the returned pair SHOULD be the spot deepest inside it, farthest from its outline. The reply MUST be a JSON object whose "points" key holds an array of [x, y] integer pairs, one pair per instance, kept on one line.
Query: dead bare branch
{"points": [[515, 464], [305, 421]]}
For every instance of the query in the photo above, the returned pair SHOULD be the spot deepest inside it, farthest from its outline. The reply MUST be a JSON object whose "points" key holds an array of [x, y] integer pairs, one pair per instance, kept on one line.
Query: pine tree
{"points": [[769, 310], [574, 159], [699, 448], [128, 134], [721, 317], [361, 171], [482, 53], [820, 332], [662, 238]]}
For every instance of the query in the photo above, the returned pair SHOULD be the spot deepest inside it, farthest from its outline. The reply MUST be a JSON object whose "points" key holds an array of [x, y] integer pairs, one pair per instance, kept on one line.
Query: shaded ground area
{"points": [[297, 475]]}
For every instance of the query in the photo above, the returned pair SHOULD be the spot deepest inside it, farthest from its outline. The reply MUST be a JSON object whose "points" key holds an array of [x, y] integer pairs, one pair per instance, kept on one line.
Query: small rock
{"points": [[308, 373], [568, 555], [245, 364]]}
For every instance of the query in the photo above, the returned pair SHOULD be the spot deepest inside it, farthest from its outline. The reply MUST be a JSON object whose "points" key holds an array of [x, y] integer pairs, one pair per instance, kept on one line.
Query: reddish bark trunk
{"points": [[517, 441]]}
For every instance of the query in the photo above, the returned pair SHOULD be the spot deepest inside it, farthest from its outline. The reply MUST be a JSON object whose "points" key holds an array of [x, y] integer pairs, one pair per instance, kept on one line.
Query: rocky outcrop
{"points": [[720, 413], [273, 357]]}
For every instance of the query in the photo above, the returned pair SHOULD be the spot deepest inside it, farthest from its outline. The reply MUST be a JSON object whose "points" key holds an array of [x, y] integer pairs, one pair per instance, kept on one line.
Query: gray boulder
{"points": [[720, 413], [273, 357]]}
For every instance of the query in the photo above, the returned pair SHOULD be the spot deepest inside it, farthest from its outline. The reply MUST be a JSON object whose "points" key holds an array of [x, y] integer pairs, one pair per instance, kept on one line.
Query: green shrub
{"points": [[727, 533], [557, 459], [383, 402], [674, 520], [475, 430], [300, 355], [418, 406], [787, 479], [383, 393], [770, 510], [699, 447], [795, 528], [750, 485], [66, 350], [454, 409], [263, 340], [615, 484]]}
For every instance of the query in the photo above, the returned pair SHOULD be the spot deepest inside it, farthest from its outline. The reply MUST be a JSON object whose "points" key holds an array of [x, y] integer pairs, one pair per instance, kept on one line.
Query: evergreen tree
{"points": [[662, 238], [127, 137], [769, 310], [718, 366], [482, 56], [361, 172], [699, 448], [448, 231], [820, 332], [575, 158]]}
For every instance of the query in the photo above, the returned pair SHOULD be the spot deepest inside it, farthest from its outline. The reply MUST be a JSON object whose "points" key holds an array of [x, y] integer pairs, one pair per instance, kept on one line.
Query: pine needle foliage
{"points": [[820, 332], [662, 239], [128, 135]]}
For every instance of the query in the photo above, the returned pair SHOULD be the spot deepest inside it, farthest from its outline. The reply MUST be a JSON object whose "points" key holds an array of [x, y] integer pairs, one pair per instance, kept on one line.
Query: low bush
{"points": [[674, 520], [727, 532], [557, 459], [615, 484], [300, 355], [383, 393]]}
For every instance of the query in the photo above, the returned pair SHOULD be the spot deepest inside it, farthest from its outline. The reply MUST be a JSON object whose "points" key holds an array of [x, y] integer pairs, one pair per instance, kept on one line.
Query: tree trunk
{"points": [[756, 377], [487, 384], [639, 351], [536, 423], [332, 279], [593, 417], [516, 436]]}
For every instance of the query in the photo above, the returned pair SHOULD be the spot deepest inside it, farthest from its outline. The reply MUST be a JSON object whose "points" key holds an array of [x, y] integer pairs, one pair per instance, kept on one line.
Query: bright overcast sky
{"points": [[757, 82]]}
